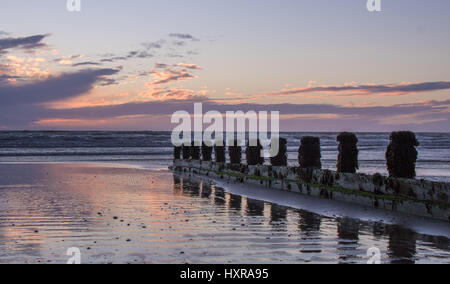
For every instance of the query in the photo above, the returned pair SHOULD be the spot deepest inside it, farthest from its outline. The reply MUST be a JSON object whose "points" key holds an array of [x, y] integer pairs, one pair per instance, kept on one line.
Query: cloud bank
{"points": [[64, 86], [364, 90], [25, 103], [27, 43]]}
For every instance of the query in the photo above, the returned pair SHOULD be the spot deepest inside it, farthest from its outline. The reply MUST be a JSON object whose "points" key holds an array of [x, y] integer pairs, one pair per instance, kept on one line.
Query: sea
{"points": [[153, 150]]}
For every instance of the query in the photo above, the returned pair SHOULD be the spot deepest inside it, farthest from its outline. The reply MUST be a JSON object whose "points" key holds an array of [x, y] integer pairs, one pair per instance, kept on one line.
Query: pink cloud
{"points": [[190, 66], [169, 75]]}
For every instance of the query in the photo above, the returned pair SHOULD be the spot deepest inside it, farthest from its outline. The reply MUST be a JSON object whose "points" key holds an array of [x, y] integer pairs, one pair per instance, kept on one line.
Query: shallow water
{"points": [[117, 214]]}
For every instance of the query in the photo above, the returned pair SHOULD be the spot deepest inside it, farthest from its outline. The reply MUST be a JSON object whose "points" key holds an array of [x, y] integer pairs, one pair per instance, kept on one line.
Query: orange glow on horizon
{"points": [[58, 122]]}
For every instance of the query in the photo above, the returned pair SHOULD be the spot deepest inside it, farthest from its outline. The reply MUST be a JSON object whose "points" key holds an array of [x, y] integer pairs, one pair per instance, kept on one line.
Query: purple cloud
{"points": [[64, 86], [386, 89], [31, 42], [88, 63]]}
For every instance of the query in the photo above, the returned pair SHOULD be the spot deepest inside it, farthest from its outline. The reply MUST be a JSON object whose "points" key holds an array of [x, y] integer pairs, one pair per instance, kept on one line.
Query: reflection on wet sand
{"points": [[126, 215], [401, 242]]}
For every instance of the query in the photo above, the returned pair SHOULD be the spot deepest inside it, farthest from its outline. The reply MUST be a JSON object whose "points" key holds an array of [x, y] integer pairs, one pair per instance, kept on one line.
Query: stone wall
{"points": [[418, 197]]}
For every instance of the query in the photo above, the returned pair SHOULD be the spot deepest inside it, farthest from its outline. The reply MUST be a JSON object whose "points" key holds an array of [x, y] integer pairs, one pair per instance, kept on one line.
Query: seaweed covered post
{"points": [[206, 152], [177, 152], [219, 152], [235, 152], [348, 153], [195, 151], [253, 153], [401, 155], [309, 153], [281, 158], [186, 151]]}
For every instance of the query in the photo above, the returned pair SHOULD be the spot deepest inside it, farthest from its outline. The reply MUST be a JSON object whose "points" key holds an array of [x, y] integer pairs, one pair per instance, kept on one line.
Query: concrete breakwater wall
{"points": [[417, 197], [399, 192]]}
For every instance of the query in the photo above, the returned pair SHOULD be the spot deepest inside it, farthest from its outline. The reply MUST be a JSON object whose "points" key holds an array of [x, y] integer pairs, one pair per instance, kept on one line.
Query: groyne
{"points": [[395, 192]]}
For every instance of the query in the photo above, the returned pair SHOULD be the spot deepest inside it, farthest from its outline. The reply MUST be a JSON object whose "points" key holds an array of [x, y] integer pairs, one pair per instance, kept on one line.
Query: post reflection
{"points": [[219, 198], [206, 191], [348, 234], [278, 217], [318, 238], [255, 208], [402, 245], [235, 202], [309, 227], [309, 223], [177, 184], [192, 188], [278, 213]]}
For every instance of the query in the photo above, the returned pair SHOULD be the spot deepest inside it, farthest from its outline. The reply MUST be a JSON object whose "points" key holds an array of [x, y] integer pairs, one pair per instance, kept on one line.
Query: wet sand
{"points": [[121, 214]]}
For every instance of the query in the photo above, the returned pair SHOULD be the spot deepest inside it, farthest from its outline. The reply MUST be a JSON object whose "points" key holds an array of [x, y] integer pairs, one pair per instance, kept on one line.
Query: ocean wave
{"points": [[434, 151]]}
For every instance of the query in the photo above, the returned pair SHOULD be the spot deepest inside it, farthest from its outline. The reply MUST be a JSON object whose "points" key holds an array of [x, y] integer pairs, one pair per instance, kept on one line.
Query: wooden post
{"points": [[195, 152], [219, 152], [253, 153], [348, 153], [206, 152], [309, 153], [186, 151], [235, 152], [401, 155], [281, 158], [177, 152]]}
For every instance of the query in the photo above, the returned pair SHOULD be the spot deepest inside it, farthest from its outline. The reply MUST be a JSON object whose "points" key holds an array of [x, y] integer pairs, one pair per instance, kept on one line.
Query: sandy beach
{"points": [[123, 214]]}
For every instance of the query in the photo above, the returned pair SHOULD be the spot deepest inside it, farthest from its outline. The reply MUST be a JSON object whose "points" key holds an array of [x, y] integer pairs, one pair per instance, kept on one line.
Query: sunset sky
{"points": [[326, 65]]}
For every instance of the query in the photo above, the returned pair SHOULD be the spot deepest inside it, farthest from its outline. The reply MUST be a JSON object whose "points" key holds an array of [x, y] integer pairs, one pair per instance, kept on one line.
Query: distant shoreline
{"points": [[169, 131]]}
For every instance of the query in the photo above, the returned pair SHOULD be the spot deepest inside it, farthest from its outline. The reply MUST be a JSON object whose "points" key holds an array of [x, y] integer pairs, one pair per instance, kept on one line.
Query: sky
{"points": [[325, 65]]}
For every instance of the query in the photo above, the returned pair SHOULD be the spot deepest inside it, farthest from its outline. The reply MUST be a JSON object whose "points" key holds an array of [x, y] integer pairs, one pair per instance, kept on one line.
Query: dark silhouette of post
{"points": [[253, 153], [186, 151], [195, 152], [206, 152], [348, 153], [235, 152], [177, 152], [281, 158], [219, 152], [401, 155], [309, 153]]}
